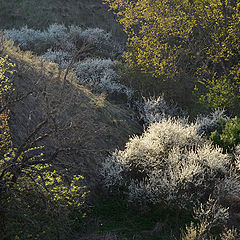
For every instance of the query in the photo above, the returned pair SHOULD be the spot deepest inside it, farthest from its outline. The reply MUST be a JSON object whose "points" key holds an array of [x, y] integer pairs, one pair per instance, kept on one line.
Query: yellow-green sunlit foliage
{"points": [[6, 69], [190, 39], [30, 187]]}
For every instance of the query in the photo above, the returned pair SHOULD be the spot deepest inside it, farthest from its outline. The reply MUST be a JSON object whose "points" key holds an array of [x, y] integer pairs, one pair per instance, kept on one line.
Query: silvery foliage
{"points": [[237, 157], [156, 109], [169, 163], [60, 43], [102, 40], [60, 57], [27, 38], [58, 36], [237, 150], [230, 234], [64, 38], [100, 74], [209, 123]]}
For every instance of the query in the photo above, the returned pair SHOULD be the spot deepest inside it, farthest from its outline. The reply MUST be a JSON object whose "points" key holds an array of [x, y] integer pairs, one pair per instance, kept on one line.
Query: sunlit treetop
{"points": [[182, 38], [163, 35]]}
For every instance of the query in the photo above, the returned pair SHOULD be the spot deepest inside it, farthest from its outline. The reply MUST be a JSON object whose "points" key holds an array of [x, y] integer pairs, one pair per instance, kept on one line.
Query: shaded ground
{"points": [[78, 119]]}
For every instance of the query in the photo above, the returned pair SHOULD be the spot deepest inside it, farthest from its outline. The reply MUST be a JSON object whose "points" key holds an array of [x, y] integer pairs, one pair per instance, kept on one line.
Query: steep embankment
{"points": [[77, 119], [86, 126]]}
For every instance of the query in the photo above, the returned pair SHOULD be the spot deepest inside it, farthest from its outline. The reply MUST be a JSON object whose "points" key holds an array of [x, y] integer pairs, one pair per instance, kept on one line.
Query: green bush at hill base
{"points": [[35, 201], [228, 135], [192, 41]]}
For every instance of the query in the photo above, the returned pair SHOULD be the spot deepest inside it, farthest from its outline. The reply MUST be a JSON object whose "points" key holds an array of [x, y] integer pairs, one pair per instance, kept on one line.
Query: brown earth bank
{"points": [[88, 124], [83, 127]]}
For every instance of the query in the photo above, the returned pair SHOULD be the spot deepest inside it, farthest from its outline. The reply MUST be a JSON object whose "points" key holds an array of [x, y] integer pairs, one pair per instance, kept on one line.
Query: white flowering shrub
{"points": [[155, 109], [103, 42], [95, 35], [229, 186], [169, 163], [237, 150], [57, 33], [211, 213], [210, 216], [27, 38], [230, 234], [65, 38], [237, 157], [100, 74], [209, 123], [60, 57], [59, 44]]}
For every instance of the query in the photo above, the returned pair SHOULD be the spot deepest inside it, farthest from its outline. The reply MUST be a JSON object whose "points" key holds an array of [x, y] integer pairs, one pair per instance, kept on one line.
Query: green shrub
{"points": [[228, 135], [37, 198]]}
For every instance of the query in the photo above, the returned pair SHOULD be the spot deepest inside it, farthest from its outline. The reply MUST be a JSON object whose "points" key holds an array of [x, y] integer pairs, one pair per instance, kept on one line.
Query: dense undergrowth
{"points": [[37, 197], [179, 179]]}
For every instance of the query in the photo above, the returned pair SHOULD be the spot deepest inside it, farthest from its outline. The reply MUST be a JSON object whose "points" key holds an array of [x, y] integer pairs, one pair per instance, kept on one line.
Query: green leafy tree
{"points": [[195, 40]]}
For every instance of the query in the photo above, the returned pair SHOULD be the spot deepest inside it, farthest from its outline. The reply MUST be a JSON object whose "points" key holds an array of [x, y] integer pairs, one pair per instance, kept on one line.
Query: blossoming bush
{"points": [[101, 75], [171, 164], [155, 109], [65, 38], [210, 216], [59, 44], [62, 58], [209, 123], [28, 39]]}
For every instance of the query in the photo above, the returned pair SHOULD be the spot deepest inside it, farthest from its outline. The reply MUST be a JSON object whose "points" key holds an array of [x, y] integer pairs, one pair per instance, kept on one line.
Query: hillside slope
{"points": [[86, 125]]}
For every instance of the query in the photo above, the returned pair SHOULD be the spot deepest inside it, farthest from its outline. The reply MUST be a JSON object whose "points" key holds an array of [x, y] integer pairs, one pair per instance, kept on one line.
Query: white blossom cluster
{"points": [[66, 38], [237, 150], [210, 123], [155, 109], [237, 157], [101, 75], [62, 58], [170, 163], [59, 43], [27, 38], [209, 215]]}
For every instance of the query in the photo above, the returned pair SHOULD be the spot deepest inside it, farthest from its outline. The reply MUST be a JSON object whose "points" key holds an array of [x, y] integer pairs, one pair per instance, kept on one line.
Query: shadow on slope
{"points": [[87, 126]]}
